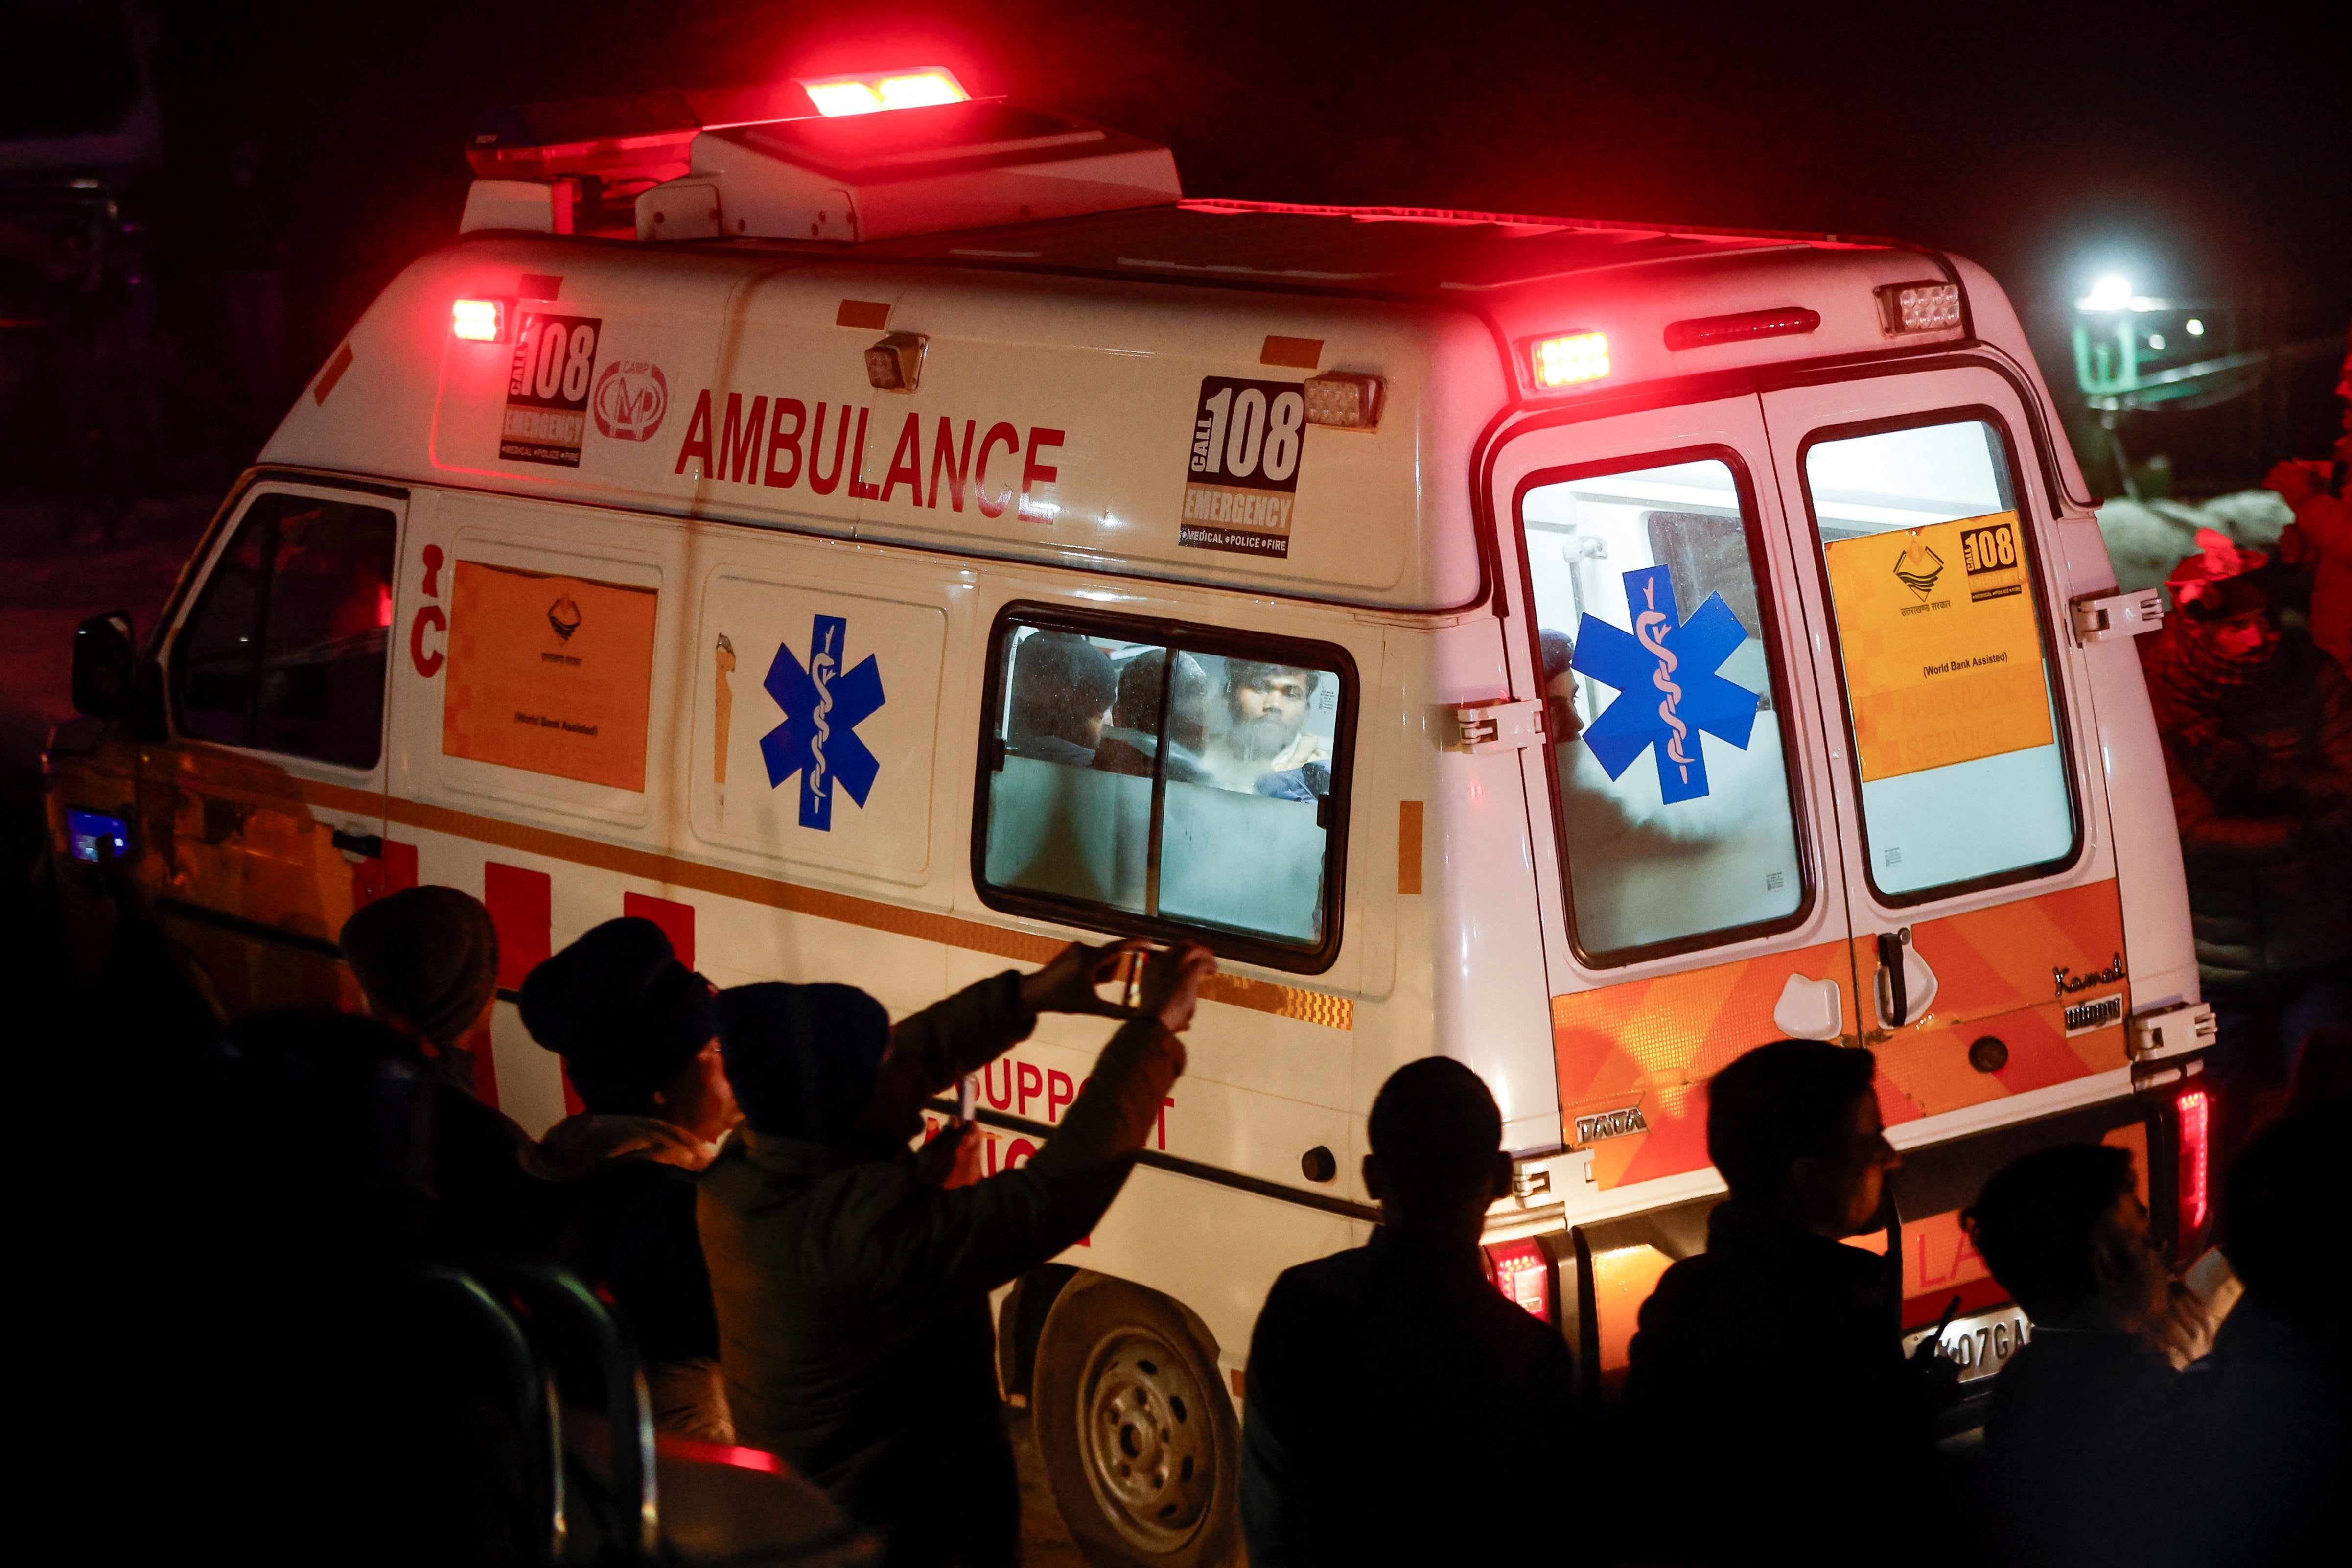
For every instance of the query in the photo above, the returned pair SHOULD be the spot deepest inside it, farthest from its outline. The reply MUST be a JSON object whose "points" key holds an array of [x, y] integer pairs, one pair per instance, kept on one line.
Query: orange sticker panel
{"points": [[1651, 1045], [550, 674], [1943, 654]]}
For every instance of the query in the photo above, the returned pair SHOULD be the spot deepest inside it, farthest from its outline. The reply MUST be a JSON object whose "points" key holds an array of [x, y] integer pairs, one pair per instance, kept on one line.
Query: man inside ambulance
{"points": [[1266, 748], [1062, 688]]}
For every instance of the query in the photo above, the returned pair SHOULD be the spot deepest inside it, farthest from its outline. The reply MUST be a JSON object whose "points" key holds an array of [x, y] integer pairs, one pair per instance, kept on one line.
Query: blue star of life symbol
{"points": [[822, 707], [1676, 660]]}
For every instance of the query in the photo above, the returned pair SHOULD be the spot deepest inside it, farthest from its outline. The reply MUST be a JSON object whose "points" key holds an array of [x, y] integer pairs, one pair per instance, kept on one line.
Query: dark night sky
{"points": [[2193, 146]]}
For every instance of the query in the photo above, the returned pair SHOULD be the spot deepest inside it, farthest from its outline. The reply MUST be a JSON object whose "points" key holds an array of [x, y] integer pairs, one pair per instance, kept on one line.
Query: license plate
{"points": [[1980, 1345]]}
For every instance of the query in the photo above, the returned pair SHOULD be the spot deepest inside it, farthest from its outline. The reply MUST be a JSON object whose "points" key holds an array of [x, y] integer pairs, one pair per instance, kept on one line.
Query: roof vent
{"points": [[929, 170]]}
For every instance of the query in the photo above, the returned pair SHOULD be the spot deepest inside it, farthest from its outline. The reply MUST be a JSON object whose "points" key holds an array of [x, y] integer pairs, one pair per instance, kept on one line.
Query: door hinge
{"points": [[2103, 617], [1498, 726], [2173, 1032]]}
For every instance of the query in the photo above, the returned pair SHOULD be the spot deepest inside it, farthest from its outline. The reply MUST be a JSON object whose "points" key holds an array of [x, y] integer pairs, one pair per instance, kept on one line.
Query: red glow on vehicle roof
{"points": [[906, 87]]}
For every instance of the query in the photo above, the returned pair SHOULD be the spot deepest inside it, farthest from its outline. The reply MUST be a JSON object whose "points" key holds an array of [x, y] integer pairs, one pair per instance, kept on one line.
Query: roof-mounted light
{"points": [[1568, 360], [479, 320], [912, 87], [1918, 306]]}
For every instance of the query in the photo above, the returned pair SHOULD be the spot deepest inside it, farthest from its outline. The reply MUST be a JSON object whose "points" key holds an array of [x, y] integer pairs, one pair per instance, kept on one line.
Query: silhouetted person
{"points": [[427, 961], [851, 1284], [2259, 1449], [2065, 1234], [1062, 690], [638, 1036], [1391, 1388], [1771, 1364]]}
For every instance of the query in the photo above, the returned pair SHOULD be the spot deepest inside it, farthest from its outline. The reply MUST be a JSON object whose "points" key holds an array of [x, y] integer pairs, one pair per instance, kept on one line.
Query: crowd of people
{"points": [[804, 1273]]}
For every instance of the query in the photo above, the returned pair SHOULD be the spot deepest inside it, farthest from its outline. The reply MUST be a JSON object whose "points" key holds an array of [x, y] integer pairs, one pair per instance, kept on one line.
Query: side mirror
{"points": [[105, 664]]}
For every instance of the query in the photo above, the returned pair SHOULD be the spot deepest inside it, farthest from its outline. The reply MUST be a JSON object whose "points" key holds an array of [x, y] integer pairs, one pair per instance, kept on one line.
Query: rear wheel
{"points": [[1137, 1434]]}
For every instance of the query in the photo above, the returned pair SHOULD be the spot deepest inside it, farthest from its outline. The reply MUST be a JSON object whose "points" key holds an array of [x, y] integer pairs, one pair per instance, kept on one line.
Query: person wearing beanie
{"points": [[2257, 730], [637, 1035], [428, 962], [851, 1284]]}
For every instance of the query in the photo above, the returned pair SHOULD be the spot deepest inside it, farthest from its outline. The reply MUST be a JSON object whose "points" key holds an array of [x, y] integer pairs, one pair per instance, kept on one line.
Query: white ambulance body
{"points": [[705, 578]]}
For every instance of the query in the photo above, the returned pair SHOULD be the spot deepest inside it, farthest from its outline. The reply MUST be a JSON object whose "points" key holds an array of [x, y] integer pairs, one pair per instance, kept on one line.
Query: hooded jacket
{"points": [[851, 1295]]}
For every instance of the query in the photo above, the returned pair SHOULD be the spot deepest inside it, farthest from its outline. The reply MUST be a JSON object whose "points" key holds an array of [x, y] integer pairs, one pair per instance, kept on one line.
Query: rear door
{"points": [[274, 776], [1694, 904], [1988, 935]]}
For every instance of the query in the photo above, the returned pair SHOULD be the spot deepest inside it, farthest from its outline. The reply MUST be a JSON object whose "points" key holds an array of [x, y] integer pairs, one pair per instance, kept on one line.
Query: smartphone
{"points": [[97, 836], [967, 1098]]}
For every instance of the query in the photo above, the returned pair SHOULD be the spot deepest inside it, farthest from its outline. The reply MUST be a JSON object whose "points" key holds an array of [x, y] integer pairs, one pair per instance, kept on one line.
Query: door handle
{"points": [[1890, 964], [366, 846]]}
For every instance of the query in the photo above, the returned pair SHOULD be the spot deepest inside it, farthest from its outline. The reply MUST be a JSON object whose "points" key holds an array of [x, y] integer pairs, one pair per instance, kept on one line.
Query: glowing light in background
{"points": [[2113, 292], [2196, 1110], [913, 88], [2196, 328]]}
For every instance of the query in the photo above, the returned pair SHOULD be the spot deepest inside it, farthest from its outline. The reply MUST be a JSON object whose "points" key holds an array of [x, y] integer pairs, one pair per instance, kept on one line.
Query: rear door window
{"points": [[1168, 780], [1950, 694], [285, 651], [1667, 712]]}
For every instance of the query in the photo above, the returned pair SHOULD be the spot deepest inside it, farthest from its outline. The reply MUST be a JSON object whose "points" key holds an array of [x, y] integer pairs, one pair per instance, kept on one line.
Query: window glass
{"points": [[1665, 713], [1168, 783], [1948, 692], [286, 651]]}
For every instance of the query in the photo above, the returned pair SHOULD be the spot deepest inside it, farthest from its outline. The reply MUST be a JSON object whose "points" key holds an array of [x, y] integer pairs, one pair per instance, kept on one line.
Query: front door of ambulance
{"points": [[276, 675], [1988, 931], [1693, 905]]}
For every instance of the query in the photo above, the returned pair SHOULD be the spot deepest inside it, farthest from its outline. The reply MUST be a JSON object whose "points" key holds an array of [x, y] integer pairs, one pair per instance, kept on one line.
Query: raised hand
{"points": [[1067, 984], [1171, 984]]}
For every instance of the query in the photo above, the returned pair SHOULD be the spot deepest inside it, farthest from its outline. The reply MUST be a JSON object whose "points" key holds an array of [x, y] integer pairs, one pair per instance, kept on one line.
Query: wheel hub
{"points": [[1146, 1440]]}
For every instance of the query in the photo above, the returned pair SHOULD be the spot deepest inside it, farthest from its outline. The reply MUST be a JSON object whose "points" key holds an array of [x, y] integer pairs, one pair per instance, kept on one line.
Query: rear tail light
{"points": [[1568, 360], [912, 88], [1522, 1273], [1345, 401], [2195, 1110], [1918, 306], [479, 320]]}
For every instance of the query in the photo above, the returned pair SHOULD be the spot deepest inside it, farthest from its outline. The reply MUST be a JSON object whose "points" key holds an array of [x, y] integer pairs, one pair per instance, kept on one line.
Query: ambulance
{"points": [[882, 535]]}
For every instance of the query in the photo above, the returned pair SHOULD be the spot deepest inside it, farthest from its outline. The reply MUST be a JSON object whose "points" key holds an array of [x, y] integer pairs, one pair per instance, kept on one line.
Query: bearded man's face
{"points": [[1269, 709]]}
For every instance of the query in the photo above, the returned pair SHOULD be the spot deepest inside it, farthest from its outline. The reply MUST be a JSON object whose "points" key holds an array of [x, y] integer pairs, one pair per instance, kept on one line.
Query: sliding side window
{"points": [[1168, 781]]}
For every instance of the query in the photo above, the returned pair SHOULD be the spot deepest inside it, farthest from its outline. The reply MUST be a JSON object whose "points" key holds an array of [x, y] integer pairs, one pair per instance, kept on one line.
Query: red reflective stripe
{"points": [[521, 903], [676, 919]]}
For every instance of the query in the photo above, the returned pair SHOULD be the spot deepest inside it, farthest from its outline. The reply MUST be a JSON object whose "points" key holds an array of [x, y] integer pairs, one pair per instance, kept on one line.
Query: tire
{"points": [[1138, 1439]]}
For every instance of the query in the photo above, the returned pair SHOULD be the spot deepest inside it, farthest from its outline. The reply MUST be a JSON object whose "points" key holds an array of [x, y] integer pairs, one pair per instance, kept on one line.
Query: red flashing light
{"points": [[479, 320], [1521, 1272], [2195, 1109], [913, 87], [1568, 360]]}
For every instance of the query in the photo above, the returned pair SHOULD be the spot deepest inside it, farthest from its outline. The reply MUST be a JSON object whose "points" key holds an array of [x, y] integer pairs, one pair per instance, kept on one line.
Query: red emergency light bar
{"points": [[909, 87], [641, 136]]}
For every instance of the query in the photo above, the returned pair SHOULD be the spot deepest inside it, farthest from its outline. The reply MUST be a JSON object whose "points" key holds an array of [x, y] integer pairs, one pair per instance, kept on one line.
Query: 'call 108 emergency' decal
{"points": [[815, 696], [1241, 476]]}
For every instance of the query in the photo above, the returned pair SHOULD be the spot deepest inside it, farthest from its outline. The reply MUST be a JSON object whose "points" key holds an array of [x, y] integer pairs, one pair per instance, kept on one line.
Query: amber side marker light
{"points": [[896, 363], [479, 320], [1568, 360]]}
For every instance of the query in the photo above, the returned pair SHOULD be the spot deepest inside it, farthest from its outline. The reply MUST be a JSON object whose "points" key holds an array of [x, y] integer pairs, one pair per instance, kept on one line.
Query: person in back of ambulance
{"points": [[1266, 747], [1391, 1388], [1133, 740], [2066, 1234], [1771, 1363], [852, 1284], [428, 962], [1062, 687], [2257, 728], [639, 1041]]}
